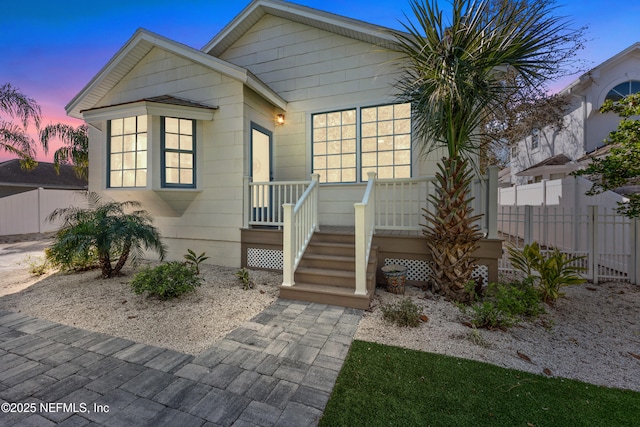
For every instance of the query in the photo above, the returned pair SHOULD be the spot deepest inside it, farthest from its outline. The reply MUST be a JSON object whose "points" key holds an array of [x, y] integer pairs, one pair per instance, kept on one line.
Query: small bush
{"points": [[67, 259], [194, 260], [548, 271], [504, 305], [168, 280], [403, 313], [243, 276], [37, 265]]}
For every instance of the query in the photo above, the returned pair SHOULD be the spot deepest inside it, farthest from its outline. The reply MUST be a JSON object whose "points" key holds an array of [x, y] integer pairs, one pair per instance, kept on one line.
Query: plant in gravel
{"points": [[167, 280], [548, 271], [61, 255], [403, 313], [243, 276], [504, 305], [194, 260], [36, 265], [109, 229]]}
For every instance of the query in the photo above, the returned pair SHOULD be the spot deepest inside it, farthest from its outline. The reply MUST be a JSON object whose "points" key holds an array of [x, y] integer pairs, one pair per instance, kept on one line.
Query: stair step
{"points": [[325, 294], [333, 262], [327, 248]]}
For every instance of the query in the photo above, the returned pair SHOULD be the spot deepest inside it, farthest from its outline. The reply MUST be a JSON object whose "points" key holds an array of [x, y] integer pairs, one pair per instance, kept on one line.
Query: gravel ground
{"points": [[593, 333]]}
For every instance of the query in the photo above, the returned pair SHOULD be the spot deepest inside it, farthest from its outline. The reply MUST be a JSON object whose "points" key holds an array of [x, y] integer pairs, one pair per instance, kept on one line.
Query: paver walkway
{"points": [[277, 369]]}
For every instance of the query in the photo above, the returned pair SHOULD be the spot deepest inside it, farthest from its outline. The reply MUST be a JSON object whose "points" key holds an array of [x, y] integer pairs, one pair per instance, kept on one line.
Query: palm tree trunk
{"points": [[105, 265], [123, 258], [452, 230]]}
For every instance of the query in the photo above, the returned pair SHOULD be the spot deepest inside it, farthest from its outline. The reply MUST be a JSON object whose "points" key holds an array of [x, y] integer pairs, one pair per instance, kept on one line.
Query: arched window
{"points": [[623, 89]]}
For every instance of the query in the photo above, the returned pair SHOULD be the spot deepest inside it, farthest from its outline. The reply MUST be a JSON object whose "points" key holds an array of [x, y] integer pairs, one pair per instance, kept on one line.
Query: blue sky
{"points": [[51, 49]]}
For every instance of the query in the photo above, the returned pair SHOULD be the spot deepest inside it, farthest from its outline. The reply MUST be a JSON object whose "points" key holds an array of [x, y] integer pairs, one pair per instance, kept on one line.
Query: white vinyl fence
{"points": [[26, 213], [609, 243]]}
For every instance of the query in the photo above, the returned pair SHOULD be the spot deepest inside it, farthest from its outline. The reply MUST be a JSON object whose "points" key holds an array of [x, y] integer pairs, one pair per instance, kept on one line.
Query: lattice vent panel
{"points": [[417, 269], [264, 258]]}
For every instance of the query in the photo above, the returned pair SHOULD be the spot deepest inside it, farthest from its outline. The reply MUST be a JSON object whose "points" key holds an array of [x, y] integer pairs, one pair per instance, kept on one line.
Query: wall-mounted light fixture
{"points": [[280, 119]]}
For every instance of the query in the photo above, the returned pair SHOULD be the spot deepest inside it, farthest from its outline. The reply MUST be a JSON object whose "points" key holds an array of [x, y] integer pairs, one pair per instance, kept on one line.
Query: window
{"points": [[386, 141], [178, 152], [384, 145], [128, 152], [623, 89], [535, 138], [514, 150]]}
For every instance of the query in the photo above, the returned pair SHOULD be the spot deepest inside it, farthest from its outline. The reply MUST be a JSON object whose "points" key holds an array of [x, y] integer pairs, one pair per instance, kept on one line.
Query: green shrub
{"points": [[61, 256], [549, 272], [37, 265], [243, 276], [403, 313], [194, 260], [167, 280], [504, 305]]}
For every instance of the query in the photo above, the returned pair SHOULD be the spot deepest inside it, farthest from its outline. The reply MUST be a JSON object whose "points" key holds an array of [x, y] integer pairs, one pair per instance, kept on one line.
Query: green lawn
{"points": [[391, 386]]}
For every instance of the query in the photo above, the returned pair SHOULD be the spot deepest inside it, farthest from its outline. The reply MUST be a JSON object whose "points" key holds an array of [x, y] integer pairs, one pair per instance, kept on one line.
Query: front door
{"points": [[261, 171]]}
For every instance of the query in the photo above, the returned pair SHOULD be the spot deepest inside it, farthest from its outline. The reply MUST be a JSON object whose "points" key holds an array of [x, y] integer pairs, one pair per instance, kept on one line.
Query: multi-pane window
{"points": [[623, 89], [386, 141], [179, 152], [334, 146], [341, 155], [128, 152]]}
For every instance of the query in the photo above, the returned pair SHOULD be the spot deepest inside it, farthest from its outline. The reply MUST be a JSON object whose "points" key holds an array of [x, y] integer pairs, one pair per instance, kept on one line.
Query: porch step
{"points": [[326, 274], [324, 294]]}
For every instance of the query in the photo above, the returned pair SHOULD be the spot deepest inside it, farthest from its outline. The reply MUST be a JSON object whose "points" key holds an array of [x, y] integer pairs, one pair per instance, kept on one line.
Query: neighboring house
{"points": [[552, 153], [214, 141], [15, 180]]}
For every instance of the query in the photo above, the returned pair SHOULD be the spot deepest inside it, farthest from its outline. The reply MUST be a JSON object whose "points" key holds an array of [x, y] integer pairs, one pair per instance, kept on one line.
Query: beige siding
{"points": [[314, 70], [187, 219]]}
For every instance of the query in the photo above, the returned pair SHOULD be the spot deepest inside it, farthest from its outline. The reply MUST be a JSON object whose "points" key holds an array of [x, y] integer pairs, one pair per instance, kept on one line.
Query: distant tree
{"points": [[107, 229], [14, 137], [621, 166], [76, 149]]}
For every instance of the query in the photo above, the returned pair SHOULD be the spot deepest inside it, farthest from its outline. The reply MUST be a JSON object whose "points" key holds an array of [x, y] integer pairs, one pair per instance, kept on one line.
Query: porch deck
{"points": [[329, 277]]}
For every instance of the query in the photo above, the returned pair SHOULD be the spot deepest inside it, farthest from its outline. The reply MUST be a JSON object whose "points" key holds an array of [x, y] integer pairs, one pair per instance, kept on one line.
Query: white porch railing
{"points": [[264, 200], [300, 222], [365, 227], [400, 202]]}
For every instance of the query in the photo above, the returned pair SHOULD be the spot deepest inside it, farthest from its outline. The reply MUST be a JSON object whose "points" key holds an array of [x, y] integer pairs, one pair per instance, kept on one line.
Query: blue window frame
{"points": [[178, 152]]}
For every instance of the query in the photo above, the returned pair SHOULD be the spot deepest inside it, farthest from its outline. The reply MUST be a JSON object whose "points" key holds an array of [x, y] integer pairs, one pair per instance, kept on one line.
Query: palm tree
{"points": [[453, 74], [76, 148], [13, 136], [105, 227]]}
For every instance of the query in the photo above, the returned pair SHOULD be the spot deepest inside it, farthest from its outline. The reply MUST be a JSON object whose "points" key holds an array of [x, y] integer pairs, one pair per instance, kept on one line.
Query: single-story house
{"points": [[256, 148], [554, 152], [14, 179]]}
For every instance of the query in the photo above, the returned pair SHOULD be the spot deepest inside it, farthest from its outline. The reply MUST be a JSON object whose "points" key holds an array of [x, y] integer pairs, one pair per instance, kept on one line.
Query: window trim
{"points": [[164, 150], [358, 151]]}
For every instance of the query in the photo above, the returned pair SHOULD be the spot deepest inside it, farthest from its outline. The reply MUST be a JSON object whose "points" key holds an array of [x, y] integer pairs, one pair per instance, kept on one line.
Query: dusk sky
{"points": [[51, 49]]}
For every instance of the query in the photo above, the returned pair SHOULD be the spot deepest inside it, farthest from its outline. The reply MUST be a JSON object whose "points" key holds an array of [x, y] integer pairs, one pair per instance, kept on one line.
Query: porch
{"points": [[340, 264]]}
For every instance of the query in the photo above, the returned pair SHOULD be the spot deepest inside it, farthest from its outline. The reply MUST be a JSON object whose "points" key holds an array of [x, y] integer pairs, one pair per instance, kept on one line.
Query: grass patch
{"points": [[391, 386]]}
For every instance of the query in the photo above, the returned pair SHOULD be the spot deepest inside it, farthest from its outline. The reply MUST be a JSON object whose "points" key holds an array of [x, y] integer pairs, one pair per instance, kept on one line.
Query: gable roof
{"points": [[586, 78], [136, 48], [557, 160], [44, 175], [337, 24]]}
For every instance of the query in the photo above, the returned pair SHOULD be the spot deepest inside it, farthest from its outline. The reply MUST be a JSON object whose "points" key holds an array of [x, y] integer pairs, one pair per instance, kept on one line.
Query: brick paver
{"points": [[278, 369]]}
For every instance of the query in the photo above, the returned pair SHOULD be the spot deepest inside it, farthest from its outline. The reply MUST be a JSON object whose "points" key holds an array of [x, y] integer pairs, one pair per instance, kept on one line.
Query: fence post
{"points": [[593, 243], [492, 203], [40, 192], [287, 246], [634, 261], [528, 224]]}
